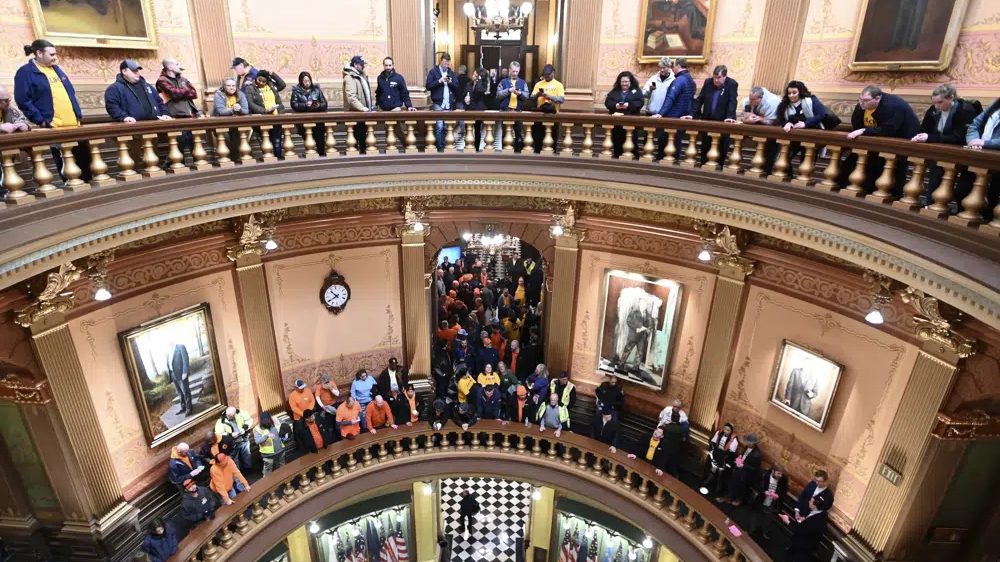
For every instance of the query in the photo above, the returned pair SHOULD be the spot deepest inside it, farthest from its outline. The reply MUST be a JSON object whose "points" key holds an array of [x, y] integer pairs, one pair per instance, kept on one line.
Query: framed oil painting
{"points": [[638, 324], [676, 28], [173, 367], [120, 24], [906, 35], [805, 383]]}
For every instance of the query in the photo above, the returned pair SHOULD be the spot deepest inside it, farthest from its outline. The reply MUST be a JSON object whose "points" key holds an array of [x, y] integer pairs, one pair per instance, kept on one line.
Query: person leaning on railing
{"points": [[760, 107], [230, 101], [307, 97], [130, 98], [947, 121], [879, 114], [11, 118], [264, 98], [800, 109], [984, 133], [46, 96]]}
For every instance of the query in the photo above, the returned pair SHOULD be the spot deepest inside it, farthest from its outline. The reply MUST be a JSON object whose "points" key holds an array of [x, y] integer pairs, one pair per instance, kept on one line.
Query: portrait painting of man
{"points": [[907, 34], [638, 326], [676, 28], [95, 23], [805, 384]]}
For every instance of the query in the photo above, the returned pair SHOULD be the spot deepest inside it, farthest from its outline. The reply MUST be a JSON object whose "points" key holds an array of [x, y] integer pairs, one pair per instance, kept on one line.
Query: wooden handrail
{"points": [[684, 509]]}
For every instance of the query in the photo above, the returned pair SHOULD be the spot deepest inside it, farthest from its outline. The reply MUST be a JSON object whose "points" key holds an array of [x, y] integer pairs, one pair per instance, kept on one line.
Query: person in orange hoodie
{"points": [[227, 480], [378, 414], [301, 399], [349, 417]]}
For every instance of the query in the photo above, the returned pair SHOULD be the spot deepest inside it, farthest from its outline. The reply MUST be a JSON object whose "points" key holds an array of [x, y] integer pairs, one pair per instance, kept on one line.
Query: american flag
{"points": [[567, 554], [387, 553], [402, 554], [592, 550], [360, 552]]}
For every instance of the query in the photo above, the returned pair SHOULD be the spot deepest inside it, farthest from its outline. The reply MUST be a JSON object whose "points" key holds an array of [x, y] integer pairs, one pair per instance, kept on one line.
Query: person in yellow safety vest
{"points": [[238, 425], [270, 442], [565, 389], [465, 385], [552, 414]]}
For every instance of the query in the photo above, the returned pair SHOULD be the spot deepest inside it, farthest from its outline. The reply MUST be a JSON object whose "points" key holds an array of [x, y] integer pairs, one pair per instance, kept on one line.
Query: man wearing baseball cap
{"points": [[130, 98], [358, 96], [245, 72], [549, 95]]}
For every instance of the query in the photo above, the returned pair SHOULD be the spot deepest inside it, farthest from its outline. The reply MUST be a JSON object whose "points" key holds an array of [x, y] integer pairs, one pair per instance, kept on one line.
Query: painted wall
{"points": [[310, 338], [96, 338], [876, 369], [698, 287]]}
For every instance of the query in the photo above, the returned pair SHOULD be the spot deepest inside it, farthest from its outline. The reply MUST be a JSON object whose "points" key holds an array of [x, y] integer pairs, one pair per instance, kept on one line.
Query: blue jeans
{"points": [[237, 488], [241, 454], [364, 422], [439, 134]]}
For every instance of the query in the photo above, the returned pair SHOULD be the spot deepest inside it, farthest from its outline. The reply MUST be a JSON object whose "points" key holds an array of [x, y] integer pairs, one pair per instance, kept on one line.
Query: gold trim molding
{"points": [[53, 299], [931, 325]]}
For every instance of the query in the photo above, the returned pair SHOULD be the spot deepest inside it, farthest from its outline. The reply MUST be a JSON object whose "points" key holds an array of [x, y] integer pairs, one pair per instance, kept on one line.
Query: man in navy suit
{"points": [[442, 84], [817, 488], [717, 102], [179, 369]]}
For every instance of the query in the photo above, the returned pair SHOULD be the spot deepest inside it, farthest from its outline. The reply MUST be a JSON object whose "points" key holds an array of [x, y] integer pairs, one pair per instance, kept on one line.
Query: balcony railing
{"points": [[681, 509], [126, 152]]}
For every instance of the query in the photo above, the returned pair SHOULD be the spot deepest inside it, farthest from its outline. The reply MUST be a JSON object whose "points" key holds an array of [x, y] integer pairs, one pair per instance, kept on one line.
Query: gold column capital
{"points": [[728, 255], [53, 299], [931, 326], [254, 235]]}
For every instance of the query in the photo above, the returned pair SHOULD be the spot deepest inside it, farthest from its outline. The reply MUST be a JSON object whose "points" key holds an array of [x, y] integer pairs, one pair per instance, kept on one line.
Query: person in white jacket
{"points": [[656, 87]]}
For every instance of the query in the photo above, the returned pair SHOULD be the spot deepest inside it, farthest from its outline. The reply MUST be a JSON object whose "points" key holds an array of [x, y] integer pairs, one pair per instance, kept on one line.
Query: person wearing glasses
{"points": [[879, 114]]}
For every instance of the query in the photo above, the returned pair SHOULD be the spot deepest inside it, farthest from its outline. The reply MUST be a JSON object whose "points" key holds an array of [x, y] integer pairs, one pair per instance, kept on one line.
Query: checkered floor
{"points": [[503, 515]]}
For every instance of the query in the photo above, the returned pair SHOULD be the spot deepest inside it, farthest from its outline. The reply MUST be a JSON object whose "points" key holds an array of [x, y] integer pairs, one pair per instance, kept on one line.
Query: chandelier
{"points": [[496, 17], [491, 242]]}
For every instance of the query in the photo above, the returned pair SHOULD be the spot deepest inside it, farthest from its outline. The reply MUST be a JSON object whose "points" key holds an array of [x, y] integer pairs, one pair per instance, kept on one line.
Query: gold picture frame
{"points": [[118, 24], [173, 361], [804, 384], [921, 38], [650, 48]]}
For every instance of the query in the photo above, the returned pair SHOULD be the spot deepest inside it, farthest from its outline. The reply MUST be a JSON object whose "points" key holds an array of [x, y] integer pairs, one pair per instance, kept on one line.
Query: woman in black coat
{"points": [[475, 98], [625, 98], [307, 97]]}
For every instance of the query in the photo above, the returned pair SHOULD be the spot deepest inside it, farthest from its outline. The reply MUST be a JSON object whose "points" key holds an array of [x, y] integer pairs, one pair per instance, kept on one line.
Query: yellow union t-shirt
{"points": [[269, 99], [552, 88], [652, 449], [62, 108], [870, 118]]}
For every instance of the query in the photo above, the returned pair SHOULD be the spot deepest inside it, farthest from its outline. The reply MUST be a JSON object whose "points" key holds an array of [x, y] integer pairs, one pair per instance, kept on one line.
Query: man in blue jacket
{"points": [[677, 104], [717, 102], [130, 98], [47, 98], [391, 93], [443, 87], [511, 95]]}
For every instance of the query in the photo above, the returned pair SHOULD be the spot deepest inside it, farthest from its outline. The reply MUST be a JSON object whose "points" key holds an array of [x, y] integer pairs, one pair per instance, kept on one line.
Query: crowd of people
{"points": [[45, 98]]}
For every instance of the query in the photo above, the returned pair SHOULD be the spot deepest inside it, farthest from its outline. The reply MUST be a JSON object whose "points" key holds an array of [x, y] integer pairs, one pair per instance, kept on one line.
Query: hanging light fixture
{"points": [[270, 245], [647, 542], [495, 18], [314, 527], [881, 287], [705, 254]]}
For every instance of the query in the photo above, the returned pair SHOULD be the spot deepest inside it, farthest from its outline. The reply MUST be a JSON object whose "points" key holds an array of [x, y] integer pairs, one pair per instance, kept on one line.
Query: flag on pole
{"points": [[592, 551], [402, 554], [386, 553], [566, 552]]}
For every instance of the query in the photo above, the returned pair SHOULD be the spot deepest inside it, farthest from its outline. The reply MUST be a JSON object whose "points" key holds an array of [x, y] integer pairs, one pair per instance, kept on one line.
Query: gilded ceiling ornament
{"points": [[255, 233], [413, 219], [565, 224], [726, 245], [23, 389], [930, 324], [53, 298]]}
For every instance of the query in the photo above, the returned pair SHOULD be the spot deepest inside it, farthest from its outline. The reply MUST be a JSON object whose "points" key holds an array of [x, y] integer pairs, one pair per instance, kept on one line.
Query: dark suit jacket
{"points": [[606, 433], [893, 118], [179, 362], [803, 504], [728, 98], [962, 113], [660, 454], [436, 89], [807, 534], [384, 386]]}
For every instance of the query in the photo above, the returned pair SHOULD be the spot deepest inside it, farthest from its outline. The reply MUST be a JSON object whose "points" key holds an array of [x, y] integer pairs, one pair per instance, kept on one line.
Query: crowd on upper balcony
{"points": [[45, 98]]}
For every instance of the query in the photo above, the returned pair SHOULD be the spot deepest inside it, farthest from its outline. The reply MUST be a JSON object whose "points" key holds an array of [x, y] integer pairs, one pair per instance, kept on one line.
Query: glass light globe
{"points": [[647, 543], [314, 527], [469, 9], [270, 245], [557, 230], [526, 8], [704, 255], [102, 294], [874, 317]]}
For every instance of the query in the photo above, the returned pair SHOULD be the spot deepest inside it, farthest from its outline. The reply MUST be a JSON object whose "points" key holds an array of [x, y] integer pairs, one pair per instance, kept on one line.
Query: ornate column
{"points": [[914, 468], [563, 301], [723, 319], [256, 238], [409, 34], [18, 522], [213, 43], [580, 34], [415, 280], [94, 494], [778, 46]]}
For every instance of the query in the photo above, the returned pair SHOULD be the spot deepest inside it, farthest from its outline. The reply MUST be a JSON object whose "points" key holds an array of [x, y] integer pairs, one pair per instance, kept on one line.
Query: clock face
{"points": [[336, 296]]}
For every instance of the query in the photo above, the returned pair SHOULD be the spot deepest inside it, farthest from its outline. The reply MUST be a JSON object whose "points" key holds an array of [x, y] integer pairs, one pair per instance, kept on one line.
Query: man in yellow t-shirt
{"points": [[549, 95]]}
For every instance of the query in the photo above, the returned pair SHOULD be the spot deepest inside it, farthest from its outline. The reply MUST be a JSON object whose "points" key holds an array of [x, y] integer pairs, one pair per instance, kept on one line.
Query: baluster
{"points": [[628, 147], [588, 141], [287, 144], [857, 178], [660, 498], [612, 471], [528, 137], [446, 444], [397, 449], [470, 138], [567, 458], [12, 182], [288, 492], [943, 194], [71, 170], [449, 137], [736, 556], [246, 153], [705, 533], [547, 142], [242, 523], [257, 512], [913, 188], [366, 457], [98, 167], [430, 141], [390, 137], [174, 154], [884, 183], [413, 448], [352, 463], [198, 152], [520, 444], [475, 440], [806, 166], [308, 142], [488, 143], [567, 142], [43, 176], [690, 523], [330, 140], [691, 153], [508, 137], [627, 480], [222, 152], [670, 151], [338, 470], [305, 483], [505, 444], [320, 475], [674, 508], [648, 147], [782, 163], [735, 157], [712, 157], [209, 553], [536, 447], [410, 140], [721, 545], [273, 501], [832, 170], [371, 147], [352, 143], [757, 162], [225, 537], [429, 443], [606, 145], [995, 223], [383, 450], [598, 467], [581, 461], [490, 442], [975, 201], [151, 162], [643, 488], [126, 165], [551, 453], [266, 146]]}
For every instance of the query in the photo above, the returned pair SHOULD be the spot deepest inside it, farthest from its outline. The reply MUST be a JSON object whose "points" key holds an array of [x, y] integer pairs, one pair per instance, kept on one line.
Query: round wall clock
{"points": [[335, 293]]}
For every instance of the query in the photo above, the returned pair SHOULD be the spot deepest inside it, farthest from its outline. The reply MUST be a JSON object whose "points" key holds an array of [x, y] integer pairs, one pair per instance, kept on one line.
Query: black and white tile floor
{"points": [[504, 507]]}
